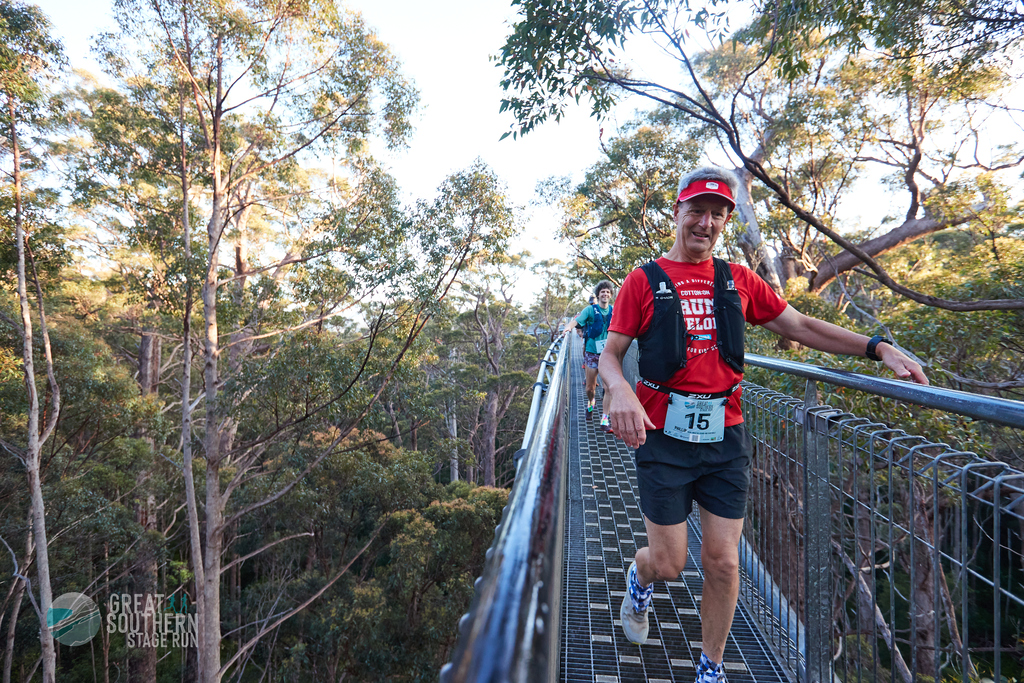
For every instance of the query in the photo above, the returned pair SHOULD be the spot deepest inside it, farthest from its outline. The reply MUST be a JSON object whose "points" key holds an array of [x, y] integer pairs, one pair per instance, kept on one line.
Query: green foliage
{"points": [[955, 35], [317, 316], [469, 219], [339, 74], [620, 216], [562, 51], [975, 351], [807, 137], [27, 53], [50, 251], [424, 583], [367, 349], [393, 615], [554, 302]]}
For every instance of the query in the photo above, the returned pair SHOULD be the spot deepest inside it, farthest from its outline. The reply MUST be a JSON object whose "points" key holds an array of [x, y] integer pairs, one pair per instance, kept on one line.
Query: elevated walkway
{"points": [[869, 553], [603, 529]]}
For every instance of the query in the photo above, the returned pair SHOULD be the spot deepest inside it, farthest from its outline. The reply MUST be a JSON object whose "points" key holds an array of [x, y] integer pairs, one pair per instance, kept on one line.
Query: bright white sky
{"points": [[445, 48]]}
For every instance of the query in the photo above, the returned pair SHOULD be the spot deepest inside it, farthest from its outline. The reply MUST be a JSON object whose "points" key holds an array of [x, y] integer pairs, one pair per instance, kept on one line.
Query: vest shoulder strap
{"points": [[662, 345], [729, 320], [661, 284], [723, 276]]}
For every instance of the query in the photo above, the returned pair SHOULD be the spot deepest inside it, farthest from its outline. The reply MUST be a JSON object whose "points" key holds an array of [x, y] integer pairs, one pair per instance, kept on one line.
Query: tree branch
{"points": [[260, 550], [248, 645]]}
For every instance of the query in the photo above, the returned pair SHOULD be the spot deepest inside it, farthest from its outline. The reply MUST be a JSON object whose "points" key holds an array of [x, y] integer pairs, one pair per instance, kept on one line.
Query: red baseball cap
{"points": [[716, 187]]}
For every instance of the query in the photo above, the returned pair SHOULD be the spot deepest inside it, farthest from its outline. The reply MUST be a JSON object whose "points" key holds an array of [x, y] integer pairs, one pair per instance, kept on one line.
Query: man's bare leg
{"points": [[665, 554], [663, 558], [720, 557], [591, 385]]}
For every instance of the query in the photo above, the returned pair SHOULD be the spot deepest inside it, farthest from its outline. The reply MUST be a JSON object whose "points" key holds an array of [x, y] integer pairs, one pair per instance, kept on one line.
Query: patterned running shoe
{"points": [[635, 622], [709, 672]]}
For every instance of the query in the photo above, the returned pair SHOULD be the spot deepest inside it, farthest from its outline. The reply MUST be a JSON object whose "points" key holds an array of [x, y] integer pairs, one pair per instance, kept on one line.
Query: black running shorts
{"points": [[671, 474]]}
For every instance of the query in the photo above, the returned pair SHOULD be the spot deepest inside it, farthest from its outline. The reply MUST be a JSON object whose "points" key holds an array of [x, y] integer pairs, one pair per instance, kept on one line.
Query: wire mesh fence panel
{"points": [[880, 555]]}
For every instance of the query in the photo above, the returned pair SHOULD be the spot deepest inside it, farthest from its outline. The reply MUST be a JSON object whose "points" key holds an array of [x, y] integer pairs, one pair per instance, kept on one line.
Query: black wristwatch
{"points": [[872, 343]]}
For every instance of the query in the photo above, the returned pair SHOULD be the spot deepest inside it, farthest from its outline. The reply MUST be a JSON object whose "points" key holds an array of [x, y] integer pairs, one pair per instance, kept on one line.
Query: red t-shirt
{"points": [[705, 372]]}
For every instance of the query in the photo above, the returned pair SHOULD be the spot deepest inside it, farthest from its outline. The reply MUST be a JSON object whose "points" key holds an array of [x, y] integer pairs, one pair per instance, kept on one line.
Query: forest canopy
{"points": [[239, 371]]}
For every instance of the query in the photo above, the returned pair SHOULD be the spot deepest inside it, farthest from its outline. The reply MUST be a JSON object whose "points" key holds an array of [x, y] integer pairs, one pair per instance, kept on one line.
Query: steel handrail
{"points": [[1006, 412], [511, 632], [540, 387]]}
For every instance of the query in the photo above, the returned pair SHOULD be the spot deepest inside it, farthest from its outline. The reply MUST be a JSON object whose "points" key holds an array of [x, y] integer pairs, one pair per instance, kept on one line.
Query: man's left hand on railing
{"points": [[901, 364]]}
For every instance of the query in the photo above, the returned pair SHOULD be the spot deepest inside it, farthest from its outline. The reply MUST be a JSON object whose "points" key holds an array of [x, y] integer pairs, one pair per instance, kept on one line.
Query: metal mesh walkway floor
{"points": [[604, 528]]}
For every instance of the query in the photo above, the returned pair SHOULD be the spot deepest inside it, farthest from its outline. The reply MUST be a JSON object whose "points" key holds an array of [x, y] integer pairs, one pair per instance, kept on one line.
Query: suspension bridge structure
{"points": [[869, 553]]}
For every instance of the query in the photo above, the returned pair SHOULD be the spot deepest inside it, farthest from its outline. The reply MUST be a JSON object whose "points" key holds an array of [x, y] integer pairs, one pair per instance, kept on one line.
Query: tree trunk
{"points": [[750, 240], [149, 362], [42, 570], [241, 340], [923, 601], [488, 436], [35, 440], [142, 659], [453, 430], [210, 644], [19, 595], [195, 542], [104, 636], [911, 230], [396, 427]]}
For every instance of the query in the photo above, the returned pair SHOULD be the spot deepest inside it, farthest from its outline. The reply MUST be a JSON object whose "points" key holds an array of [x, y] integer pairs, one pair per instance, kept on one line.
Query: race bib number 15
{"points": [[695, 420]]}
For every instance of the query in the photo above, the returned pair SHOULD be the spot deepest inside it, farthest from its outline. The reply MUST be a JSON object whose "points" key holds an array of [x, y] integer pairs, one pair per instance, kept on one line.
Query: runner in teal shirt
{"points": [[592, 324]]}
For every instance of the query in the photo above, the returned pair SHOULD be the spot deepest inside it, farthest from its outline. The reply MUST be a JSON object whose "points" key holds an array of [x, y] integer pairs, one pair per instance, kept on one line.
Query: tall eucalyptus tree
{"points": [[28, 55], [272, 107]]}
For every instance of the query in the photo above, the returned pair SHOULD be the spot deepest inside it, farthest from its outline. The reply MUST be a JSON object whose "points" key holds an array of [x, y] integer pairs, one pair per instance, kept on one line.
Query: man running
{"points": [[687, 312], [592, 324]]}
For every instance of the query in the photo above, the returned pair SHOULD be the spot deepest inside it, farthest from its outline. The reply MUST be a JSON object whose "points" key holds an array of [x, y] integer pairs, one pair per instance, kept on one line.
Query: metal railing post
{"points": [[817, 536]]}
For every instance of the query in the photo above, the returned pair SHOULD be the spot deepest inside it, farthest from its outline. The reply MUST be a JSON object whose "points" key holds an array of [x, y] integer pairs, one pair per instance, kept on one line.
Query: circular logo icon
{"points": [[73, 619]]}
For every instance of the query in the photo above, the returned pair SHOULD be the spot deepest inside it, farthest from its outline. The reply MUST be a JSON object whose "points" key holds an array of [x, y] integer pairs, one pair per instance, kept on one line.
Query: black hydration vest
{"points": [[598, 324], [663, 346]]}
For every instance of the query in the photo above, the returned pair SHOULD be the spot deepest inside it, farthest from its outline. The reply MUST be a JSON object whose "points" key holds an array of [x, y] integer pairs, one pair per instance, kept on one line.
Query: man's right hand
{"points": [[628, 418]]}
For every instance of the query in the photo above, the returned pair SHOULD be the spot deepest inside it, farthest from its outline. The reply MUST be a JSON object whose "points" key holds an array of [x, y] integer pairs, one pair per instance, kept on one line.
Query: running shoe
{"points": [[634, 624], [709, 672]]}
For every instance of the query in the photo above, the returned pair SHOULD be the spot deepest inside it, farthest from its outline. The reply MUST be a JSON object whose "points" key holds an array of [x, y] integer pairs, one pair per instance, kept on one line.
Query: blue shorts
{"points": [[671, 474], [590, 360]]}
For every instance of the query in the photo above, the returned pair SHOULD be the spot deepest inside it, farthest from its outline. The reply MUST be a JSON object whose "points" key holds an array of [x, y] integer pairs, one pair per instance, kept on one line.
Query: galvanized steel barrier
{"points": [[874, 554], [511, 630]]}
